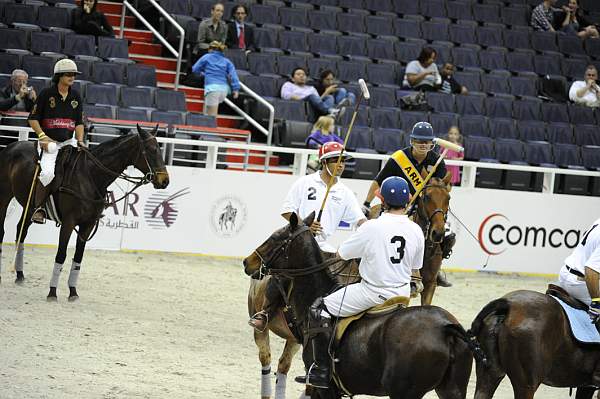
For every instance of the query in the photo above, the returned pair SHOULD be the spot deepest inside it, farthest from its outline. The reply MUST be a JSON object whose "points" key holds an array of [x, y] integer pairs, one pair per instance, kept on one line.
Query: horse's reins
{"points": [[428, 218]]}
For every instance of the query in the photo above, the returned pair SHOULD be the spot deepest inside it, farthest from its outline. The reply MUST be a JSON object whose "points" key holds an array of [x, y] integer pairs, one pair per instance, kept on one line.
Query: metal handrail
{"points": [[177, 54]]}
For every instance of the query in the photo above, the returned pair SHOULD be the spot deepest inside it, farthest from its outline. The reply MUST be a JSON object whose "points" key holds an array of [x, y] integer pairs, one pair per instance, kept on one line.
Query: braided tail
{"points": [[458, 331]]}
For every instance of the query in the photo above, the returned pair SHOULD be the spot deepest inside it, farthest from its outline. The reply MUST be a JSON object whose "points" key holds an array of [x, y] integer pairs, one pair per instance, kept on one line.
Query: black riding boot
{"points": [[40, 196], [320, 330], [273, 302]]}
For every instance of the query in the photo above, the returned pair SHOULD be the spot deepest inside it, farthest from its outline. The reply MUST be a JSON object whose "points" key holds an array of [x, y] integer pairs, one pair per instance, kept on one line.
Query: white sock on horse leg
{"points": [[280, 382], [19, 257], [265, 381], [55, 275], [74, 274]]}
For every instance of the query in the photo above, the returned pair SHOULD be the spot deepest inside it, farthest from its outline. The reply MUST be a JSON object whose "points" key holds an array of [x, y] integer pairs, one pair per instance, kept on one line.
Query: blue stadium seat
{"points": [[385, 117], [470, 104], [544, 41], [441, 102], [130, 114], [466, 56], [358, 4], [590, 154], [379, 5], [463, 32], [20, 13], [323, 42], [362, 118], [287, 63], [13, 39], [321, 20], [238, 57], [262, 63], [493, 58], [384, 73], [290, 109], [592, 48], [261, 14], [477, 148], [108, 72], [54, 16], [490, 34], [436, 29], [406, 7], [387, 141], [347, 22], [197, 119], [294, 133], [98, 111], [351, 71], [382, 47], [539, 153], [516, 38], [294, 40], [486, 13], [581, 115], [548, 64], [459, 10], [38, 66], [297, 17], [471, 80], [573, 68], [407, 28], [137, 97], [527, 109], [524, 85], [379, 25], [101, 94], [141, 75], [409, 118], [520, 60], [45, 42], [168, 117], [509, 150], [443, 50], [409, 50], [515, 15], [474, 125], [267, 36], [109, 47], [265, 85], [566, 155], [361, 137], [170, 100], [433, 8], [560, 133], [571, 45], [587, 134], [555, 112], [85, 68], [503, 128], [496, 81], [79, 45], [39, 83], [442, 122], [352, 45], [532, 130], [181, 7], [382, 96]]}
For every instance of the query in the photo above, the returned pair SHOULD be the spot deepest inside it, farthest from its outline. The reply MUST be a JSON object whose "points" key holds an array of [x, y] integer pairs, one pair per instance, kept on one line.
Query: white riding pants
{"points": [[49, 161], [574, 285], [360, 297]]}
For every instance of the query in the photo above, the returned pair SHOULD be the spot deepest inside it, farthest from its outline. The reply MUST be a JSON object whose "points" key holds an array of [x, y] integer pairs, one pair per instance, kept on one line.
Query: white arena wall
{"points": [[521, 231]]}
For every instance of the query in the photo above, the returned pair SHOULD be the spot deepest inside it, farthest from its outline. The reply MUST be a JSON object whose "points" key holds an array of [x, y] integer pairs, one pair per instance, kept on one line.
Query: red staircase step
{"points": [[145, 49], [227, 122], [109, 7], [165, 64], [233, 155], [194, 105], [136, 34], [165, 76], [115, 20]]}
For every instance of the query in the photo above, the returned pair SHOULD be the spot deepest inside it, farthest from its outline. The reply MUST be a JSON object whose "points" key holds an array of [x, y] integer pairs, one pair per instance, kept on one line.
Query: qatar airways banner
{"points": [[224, 213]]}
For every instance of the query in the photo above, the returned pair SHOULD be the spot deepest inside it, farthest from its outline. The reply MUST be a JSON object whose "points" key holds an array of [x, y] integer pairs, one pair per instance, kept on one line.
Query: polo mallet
{"points": [[447, 145], [364, 93], [35, 173]]}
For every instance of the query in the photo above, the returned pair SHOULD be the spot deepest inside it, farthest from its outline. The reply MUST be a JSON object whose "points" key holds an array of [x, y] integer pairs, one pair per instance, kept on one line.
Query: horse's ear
{"points": [[140, 131], [294, 220], [310, 219], [447, 180], [154, 131]]}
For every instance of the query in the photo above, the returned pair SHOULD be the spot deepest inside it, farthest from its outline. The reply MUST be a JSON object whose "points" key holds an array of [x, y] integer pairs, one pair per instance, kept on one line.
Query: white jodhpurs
{"points": [[49, 161], [574, 285], [360, 297]]}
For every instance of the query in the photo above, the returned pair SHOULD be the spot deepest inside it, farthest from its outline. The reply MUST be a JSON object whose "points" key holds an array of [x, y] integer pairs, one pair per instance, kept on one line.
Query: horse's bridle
{"points": [[281, 250], [429, 218]]}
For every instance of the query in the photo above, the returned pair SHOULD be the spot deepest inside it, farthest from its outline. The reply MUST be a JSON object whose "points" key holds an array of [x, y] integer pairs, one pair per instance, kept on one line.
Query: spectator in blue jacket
{"points": [[220, 77]]}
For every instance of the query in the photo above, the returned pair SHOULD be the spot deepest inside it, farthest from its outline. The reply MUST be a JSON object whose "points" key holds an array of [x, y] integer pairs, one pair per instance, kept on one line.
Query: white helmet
{"points": [[65, 66]]}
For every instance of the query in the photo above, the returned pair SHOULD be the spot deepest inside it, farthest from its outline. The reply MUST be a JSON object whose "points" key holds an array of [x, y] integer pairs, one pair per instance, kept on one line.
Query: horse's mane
{"points": [[112, 145]]}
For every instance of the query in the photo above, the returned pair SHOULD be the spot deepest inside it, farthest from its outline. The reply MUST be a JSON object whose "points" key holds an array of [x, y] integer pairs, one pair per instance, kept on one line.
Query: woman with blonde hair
{"points": [[322, 132], [218, 73]]}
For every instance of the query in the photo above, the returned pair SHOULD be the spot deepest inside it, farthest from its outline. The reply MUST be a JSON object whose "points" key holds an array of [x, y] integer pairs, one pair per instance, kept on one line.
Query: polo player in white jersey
{"points": [[391, 250], [305, 197]]}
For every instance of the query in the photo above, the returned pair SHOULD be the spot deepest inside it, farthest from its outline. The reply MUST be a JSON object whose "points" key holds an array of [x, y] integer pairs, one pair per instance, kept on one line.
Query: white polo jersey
{"points": [[390, 247], [587, 253], [306, 196]]}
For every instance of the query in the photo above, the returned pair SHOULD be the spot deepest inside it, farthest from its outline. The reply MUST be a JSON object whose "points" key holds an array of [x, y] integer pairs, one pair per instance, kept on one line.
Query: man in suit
{"points": [[240, 35]]}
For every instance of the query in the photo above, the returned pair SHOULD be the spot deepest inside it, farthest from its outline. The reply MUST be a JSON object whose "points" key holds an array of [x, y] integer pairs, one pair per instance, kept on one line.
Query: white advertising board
{"points": [[225, 213]]}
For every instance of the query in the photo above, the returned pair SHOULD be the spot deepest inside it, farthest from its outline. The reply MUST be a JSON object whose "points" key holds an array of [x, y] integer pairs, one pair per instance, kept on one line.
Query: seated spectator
{"points": [[449, 84], [210, 30], [17, 96], [422, 74], [239, 34], [586, 92], [455, 137], [330, 93], [297, 89], [575, 23], [322, 132], [542, 16], [88, 21], [218, 73]]}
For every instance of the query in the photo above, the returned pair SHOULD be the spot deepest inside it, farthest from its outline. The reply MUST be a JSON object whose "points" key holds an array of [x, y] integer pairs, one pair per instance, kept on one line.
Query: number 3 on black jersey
{"points": [[399, 248], [312, 193]]}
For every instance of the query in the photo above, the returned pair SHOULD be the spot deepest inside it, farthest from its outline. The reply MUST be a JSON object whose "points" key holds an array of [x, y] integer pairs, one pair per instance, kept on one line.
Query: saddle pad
{"points": [[51, 211], [378, 310], [581, 325]]}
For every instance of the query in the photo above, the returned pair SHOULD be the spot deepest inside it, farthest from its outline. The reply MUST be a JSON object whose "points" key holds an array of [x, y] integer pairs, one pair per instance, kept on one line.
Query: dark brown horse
{"points": [[431, 214], [81, 197], [403, 354], [526, 335]]}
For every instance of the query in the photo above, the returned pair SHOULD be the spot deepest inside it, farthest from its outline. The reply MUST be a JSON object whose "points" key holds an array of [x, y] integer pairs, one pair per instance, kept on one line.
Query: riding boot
{"points": [[273, 301], [320, 330], [442, 281], [40, 196]]}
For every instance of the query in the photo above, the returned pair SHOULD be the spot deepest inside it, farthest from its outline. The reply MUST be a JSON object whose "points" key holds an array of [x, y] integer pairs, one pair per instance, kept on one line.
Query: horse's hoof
{"points": [[20, 280], [73, 298], [51, 299]]}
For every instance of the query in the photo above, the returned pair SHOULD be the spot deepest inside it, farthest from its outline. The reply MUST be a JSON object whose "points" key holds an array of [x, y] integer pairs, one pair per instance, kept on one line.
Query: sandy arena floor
{"points": [[161, 326]]}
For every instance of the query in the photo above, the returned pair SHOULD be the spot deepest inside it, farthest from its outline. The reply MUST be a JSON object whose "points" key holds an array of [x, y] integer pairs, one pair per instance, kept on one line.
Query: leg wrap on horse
{"points": [[19, 258], [74, 274], [280, 385], [55, 275], [265, 381]]}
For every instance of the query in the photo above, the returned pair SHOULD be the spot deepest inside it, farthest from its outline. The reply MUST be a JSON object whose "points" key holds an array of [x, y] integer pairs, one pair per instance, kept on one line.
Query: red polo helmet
{"points": [[332, 149]]}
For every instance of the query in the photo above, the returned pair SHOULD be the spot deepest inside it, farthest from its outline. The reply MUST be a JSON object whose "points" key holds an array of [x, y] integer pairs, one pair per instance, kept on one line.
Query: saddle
{"points": [[582, 328], [560, 293], [389, 306]]}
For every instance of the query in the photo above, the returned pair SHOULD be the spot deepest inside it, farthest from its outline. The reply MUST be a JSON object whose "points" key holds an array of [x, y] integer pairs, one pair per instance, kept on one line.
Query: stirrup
{"points": [[259, 321], [317, 381], [39, 216]]}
